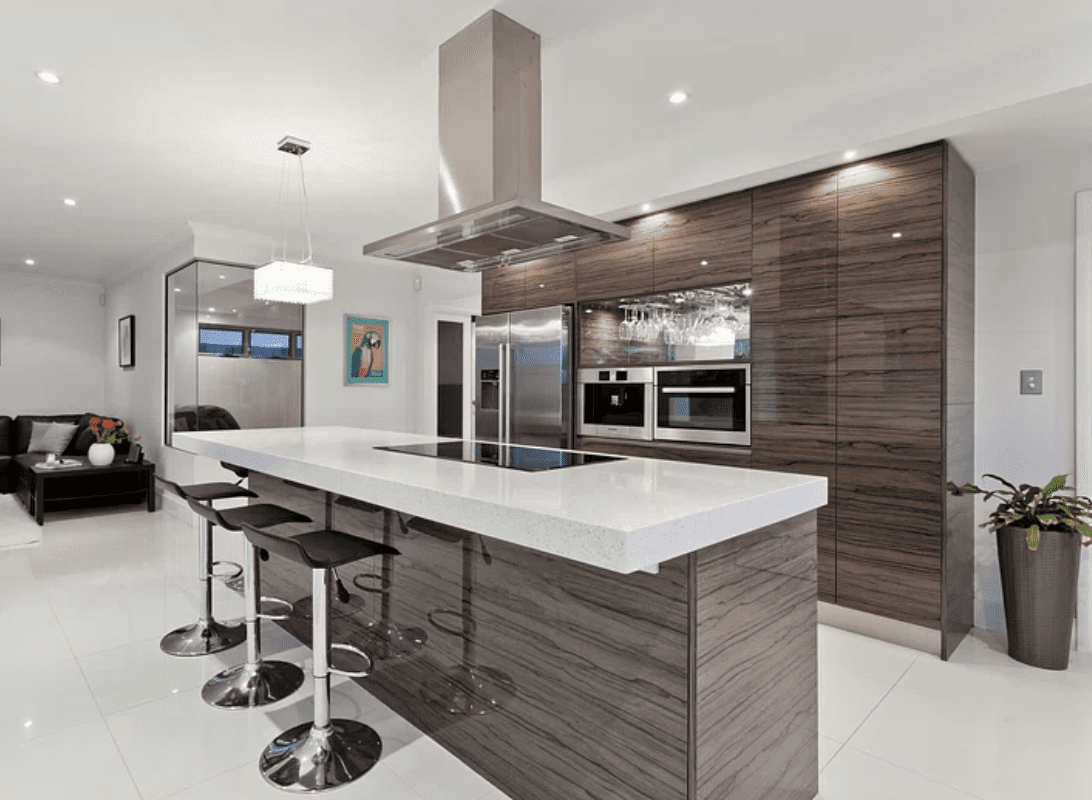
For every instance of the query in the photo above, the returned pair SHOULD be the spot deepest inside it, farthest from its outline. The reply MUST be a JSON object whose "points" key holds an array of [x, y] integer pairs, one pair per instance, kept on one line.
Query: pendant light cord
{"points": [[305, 211]]}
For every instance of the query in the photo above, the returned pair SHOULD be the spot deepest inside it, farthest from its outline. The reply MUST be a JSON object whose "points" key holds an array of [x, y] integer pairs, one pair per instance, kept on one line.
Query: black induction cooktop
{"points": [[509, 456]]}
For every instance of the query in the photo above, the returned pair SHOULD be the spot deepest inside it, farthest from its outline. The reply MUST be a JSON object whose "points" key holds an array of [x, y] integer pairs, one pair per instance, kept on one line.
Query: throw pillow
{"points": [[50, 437]]}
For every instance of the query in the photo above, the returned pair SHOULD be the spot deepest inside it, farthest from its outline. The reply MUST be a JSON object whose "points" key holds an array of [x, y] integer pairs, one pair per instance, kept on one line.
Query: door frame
{"points": [[430, 365]]}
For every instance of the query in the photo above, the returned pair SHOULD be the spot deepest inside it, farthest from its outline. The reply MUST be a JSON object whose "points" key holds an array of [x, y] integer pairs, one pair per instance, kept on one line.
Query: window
{"points": [[264, 344], [220, 341]]}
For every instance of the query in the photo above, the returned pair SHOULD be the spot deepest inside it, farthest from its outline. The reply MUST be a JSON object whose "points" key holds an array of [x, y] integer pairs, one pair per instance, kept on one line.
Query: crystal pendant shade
{"points": [[288, 282]]}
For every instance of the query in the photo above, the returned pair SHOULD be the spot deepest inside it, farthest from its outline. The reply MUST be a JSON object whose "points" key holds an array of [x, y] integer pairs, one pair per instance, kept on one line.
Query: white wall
{"points": [[51, 353], [1024, 286]]}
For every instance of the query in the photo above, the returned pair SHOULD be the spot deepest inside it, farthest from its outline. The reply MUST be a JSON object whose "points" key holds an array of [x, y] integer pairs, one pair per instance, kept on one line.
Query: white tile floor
{"points": [[90, 708]]}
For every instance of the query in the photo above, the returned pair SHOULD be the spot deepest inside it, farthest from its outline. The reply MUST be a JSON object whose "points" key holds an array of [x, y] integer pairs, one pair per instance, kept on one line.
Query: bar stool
{"points": [[206, 635], [325, 753], [468, 689], [255, 682]]}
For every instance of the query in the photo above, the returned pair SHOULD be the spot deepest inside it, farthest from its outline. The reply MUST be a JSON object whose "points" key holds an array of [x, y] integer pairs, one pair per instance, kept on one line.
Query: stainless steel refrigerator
{"points": [[522, 389]]}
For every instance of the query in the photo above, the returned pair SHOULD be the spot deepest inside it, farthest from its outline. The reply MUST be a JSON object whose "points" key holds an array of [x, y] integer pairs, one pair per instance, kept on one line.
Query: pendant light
{"points": [[283, 280]]}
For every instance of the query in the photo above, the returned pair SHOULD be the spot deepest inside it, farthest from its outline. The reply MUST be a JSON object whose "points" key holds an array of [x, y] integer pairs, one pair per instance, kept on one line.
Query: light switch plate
{"points": [[1031, 381]]}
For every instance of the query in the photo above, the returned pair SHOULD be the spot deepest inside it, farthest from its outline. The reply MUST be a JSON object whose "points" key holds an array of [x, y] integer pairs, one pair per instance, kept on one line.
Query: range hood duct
{"points": [[491, 211]]}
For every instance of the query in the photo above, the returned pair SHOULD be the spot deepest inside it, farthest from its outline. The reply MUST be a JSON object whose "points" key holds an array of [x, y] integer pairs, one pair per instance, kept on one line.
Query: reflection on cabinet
{"points": [[703, 244], [551, 281], [618, 269], [793, 336]]}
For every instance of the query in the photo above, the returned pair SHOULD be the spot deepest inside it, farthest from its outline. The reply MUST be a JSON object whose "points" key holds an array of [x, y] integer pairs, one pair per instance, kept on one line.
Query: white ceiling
{"points": [[170, 113]]}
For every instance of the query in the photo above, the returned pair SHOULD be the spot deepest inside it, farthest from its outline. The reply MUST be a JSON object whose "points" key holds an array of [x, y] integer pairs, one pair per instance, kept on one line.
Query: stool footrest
{"points": [[357, 651], [275, 617], [235, 569]]}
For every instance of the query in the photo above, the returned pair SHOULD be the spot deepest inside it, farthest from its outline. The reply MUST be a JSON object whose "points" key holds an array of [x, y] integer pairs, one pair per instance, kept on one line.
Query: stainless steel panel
{"points": [[633, 375], [666, 433], [490, 335], [538, 377]]}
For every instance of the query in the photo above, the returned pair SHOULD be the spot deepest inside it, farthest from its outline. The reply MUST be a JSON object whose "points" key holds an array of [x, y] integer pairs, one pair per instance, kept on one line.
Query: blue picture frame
{"points": [[367, 353]]}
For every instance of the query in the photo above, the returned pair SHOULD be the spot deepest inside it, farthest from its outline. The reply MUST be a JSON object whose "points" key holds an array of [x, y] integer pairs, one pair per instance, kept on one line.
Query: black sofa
{"points": [[15, 438]]}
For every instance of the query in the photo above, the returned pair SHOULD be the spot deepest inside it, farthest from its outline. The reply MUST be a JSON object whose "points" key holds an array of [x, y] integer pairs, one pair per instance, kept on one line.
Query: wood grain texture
{"points": [[959, 233], [721, 455], [504, 289], [756, 616], [599, 343], [621, 269], [795, 252], [890, 342], [551, 281], [716, 231]]}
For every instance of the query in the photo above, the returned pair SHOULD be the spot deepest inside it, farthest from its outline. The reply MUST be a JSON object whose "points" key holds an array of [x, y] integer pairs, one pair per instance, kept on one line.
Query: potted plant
{"points": [[107, 433], [1039, 537]]}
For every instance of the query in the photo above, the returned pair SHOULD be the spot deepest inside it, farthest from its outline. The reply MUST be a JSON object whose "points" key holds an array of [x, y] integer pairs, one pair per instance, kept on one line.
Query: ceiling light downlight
{"points": [[45, 76], [68, 201], [678, 97], [29, 262], [283, 280]]}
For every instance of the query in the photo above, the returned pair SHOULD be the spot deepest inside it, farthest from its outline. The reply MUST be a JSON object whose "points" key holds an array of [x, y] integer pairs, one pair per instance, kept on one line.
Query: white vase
{"points": [[100, 454]]}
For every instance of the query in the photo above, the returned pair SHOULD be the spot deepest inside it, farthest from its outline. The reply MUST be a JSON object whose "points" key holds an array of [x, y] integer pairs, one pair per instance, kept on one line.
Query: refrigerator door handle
{"points": [[507, 380], [502, 388]]}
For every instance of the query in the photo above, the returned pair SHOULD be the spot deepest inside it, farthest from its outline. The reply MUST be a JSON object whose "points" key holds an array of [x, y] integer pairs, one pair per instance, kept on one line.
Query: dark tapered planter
{"points": [[1040, 591]]}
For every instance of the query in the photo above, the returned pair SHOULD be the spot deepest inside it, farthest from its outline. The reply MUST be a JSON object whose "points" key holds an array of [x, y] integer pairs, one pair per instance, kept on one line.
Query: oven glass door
{"points": [[702, 401], [615, 404]]}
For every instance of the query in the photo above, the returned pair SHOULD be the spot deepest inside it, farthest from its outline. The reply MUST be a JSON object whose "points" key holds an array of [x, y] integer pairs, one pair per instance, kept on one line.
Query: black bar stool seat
{"points": [[206, 635], [325, 753]]}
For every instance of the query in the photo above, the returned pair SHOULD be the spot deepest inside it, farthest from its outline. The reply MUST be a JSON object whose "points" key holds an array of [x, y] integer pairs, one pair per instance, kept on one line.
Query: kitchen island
{"points": [[628, 629]]}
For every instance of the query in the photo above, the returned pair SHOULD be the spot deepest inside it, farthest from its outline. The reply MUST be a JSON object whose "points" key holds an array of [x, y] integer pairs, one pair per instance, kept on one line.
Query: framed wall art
{"points": [[366, 350], [127, 341]]}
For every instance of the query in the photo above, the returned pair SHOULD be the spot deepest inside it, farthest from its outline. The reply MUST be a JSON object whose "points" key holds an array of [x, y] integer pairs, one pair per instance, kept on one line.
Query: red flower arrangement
{"points": [[108, 431]]}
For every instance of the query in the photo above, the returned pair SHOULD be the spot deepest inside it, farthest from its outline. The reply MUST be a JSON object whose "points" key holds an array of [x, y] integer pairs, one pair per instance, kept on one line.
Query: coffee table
{"points": [[43, 489]]}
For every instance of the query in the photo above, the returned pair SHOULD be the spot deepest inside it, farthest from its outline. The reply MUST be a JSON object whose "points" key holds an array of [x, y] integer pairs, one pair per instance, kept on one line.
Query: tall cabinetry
{"points": [[863, 317]]}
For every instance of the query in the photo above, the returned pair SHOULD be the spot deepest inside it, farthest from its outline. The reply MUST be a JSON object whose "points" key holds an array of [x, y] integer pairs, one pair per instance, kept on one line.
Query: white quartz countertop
{"points": [[620, 515]]}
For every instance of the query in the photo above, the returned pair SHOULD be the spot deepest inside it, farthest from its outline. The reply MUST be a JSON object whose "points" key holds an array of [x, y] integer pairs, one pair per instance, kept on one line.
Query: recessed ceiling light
{"points": [[29, 262], [646, 207], [223, 277], [896, 235], [178, 288], [45, 76], [704, 263], [68, 201], [849, 154], [678, 97]]}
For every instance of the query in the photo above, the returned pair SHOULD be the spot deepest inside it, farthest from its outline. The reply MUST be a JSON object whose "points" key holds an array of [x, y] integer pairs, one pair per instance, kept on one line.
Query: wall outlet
{"points": [[1031, 381]]}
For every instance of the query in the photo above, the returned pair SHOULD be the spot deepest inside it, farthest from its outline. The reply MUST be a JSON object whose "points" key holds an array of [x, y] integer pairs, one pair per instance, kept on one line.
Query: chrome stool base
{"points": [[311, 759], [202, 638], [470, 691], [248, 685]]}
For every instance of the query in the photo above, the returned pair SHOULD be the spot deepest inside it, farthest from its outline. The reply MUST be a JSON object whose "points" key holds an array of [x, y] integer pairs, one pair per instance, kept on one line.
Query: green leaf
{"points": [[1033, 537], [1056, 483], [999, 479], [1082, 528]]}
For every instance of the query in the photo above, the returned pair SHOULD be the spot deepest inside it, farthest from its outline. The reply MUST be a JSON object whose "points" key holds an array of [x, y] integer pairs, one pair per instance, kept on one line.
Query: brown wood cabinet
{"points": [[862, 349], [703, 244], [793, 336], [504, 289]]}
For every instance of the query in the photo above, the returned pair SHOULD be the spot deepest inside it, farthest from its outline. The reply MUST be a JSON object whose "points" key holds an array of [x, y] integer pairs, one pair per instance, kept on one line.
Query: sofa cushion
{"points": [[22, 427], [85, 437], [7, 438], [50, 437]]}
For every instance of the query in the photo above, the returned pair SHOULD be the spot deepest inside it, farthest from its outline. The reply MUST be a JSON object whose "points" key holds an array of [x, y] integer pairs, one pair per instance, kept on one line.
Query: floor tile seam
{"points": [[91, 653], [109, 730], [920, 774], [199, 783], [836, 752], [872, 711]]}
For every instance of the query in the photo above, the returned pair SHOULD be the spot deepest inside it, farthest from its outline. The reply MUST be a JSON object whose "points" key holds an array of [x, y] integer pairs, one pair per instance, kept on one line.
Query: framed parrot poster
{"points": [[366, 350]]}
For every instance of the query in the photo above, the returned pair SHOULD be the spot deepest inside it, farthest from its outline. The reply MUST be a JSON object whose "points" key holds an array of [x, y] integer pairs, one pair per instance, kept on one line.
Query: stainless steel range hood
{"points": [[491, 211]]}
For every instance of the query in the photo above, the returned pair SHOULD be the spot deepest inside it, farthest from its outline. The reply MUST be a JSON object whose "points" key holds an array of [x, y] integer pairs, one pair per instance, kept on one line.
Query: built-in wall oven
{"points": [[615, 402], [703, 403]]}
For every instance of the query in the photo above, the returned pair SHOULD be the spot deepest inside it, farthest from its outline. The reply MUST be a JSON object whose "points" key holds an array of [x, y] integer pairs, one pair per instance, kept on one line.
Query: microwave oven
{"points": [[616, 403], [703, 403]]}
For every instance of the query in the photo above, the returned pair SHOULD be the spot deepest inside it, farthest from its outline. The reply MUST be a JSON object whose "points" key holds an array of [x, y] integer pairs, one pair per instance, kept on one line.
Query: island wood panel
{"points": [[756, 616], [957, 566], [720, 455], [619, 269], [504, 289], [551, 281], [715, 231], [595, 663]]}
